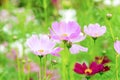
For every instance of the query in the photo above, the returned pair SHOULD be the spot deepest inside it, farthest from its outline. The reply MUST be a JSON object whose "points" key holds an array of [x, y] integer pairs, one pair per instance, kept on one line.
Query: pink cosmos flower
{"points": [[117, 46], [94, 30], [33, 67], [69, 32], [84, 69], [65, 31], [42, 45]]}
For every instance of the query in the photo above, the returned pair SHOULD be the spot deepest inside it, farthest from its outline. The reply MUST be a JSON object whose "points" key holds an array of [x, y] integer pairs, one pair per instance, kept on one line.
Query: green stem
{"points": [[45, 10], [110, 29], [18, 65], [28, 76], [117, 66], [45, 67], [40, 72], [23, 71]]}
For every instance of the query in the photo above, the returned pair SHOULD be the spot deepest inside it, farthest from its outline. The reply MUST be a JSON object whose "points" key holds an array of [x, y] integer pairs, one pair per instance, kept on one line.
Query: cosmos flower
{"points": [[117, 46], [103, 60], [53, 75], [33, 67], [42, 45], [69, 32], [65, 31], [88, 70], [94, 30]]}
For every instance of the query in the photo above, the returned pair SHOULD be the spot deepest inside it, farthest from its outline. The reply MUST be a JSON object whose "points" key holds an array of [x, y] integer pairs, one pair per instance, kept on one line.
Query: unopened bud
{"points": [[54, 61], [109, 16]]}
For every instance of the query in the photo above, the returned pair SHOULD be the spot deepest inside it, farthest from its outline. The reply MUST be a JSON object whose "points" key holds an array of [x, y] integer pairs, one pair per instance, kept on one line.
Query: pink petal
{"points": [[55, 51], [76, 48], [117, 46]]}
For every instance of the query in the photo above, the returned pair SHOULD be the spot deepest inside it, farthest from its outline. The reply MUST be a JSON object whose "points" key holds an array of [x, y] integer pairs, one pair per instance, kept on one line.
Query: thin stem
{"points": [[110, 30], [23, 71], [28, 77], [117, 66], [18, 65], [40, 72], [45, 10], [45, 67]]}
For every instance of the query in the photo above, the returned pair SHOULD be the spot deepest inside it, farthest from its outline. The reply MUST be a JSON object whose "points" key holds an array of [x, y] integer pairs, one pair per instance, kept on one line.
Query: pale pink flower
{"points": [[69, 32], [94, 30], [65, 31], [117, 46], [42, 45], [33, 67]]}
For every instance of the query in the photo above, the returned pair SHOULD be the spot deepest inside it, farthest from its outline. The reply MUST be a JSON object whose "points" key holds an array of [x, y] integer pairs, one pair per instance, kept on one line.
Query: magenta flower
{"points": [[69, 32], [103, 60], [91, 70], [42, 45], [117, 46], [94, 30]]}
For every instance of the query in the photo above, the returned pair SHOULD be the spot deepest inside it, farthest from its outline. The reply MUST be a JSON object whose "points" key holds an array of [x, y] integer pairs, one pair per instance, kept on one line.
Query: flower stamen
{"points": [[88, 71]]}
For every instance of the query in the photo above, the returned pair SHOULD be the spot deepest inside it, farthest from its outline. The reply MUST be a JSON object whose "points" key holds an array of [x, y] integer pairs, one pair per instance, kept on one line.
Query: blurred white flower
{"points": [[19, 10], [7, 28], [68, 15], [19, 47], [3, 47], [112, 2], [30, 18]]}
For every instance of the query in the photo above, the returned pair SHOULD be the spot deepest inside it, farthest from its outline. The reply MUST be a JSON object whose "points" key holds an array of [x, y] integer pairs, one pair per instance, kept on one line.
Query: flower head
{"points": [[117, 46], [103, 60], [65, 31], [33, 67], [94, 30], [42, 45], [88, 70], [70, 33]]}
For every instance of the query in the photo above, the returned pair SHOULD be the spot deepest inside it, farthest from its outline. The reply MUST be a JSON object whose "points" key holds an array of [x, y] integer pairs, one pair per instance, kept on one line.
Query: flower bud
{"points": [[109, 16]]}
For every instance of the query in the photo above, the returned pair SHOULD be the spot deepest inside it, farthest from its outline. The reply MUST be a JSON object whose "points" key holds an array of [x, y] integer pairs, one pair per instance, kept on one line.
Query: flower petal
{"points": [[76, 48], [117, 46], [55, 51]]}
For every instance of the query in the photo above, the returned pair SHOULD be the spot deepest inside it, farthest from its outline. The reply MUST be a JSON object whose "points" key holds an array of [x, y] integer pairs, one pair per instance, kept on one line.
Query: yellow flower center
{"points": [[88, 71], [41, 50], [96, 34], [64, 35], [99, 61]]}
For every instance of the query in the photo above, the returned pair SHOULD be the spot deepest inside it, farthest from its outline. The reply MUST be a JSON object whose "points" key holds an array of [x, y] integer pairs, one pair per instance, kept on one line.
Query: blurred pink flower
{"points": [[12, 55], [43, 45], [33, 67], [65, 31], [94, 30], [53, 74], [117, 46], [69, 32]]}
